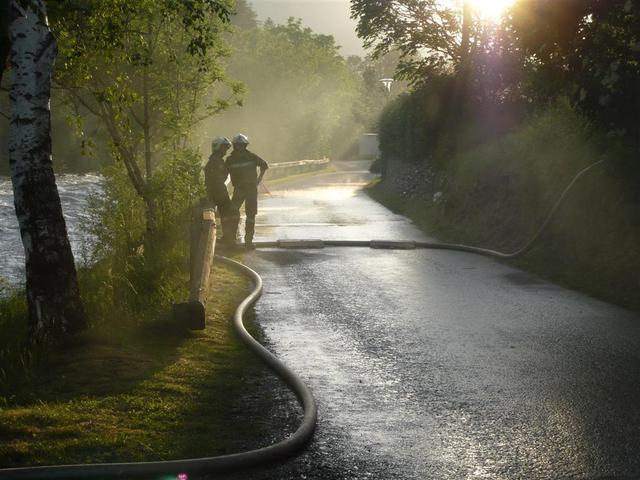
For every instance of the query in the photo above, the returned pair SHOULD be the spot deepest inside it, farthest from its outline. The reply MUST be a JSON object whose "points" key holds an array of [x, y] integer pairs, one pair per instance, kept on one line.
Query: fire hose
{"points": [[299, 439]]}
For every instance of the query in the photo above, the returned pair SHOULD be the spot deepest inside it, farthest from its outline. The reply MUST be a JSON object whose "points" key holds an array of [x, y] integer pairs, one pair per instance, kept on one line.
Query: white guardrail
{"points": [[285, 169]]}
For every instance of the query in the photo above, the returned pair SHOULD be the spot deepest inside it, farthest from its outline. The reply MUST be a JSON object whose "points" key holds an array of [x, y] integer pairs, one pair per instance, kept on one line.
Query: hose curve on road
{"points": [[408, 245], [303, 434], [532, 241], [211, 465]]}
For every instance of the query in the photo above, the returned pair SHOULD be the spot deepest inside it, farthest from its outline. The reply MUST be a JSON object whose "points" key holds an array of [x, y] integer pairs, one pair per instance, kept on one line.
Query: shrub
{"points": [[134, 277]]}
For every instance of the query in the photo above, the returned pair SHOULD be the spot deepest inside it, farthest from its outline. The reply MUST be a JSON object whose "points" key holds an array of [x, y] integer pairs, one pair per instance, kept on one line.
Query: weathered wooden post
{"points": [[202, 251], [205, 250]]}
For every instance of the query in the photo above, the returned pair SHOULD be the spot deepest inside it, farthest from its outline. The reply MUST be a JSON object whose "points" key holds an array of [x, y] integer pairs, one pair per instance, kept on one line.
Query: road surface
{"points": [[438, 364]]}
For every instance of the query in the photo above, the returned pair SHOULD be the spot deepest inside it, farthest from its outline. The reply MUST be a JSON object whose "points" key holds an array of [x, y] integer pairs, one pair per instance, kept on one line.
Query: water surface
{"points": [[74, 192]]}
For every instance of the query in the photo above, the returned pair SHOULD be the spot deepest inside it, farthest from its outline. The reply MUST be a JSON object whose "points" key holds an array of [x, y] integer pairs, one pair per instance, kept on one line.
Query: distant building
{"points": [[369, 146]]}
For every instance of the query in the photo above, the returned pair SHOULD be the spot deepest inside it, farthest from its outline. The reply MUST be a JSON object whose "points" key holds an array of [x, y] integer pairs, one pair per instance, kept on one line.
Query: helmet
{"points": [[240, 138], [218, 141]]}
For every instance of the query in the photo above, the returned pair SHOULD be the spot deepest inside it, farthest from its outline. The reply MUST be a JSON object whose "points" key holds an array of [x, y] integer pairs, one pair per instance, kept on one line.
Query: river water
{"points": [[74, 192]]}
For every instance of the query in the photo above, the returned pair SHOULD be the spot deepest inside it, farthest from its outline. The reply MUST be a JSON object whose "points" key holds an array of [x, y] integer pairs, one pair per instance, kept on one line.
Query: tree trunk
{"points": [[466, 32], [152, 217], [4, 36], [53, 296], [464, 67], [152, 221], [140, 182], [459, 90]]}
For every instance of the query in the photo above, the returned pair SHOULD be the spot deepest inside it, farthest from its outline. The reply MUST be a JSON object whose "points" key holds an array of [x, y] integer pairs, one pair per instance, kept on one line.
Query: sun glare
{"points": [[491, 9]]}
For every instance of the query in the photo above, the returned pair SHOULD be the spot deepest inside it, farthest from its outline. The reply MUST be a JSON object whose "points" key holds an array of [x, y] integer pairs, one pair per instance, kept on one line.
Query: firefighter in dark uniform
{"points": [[242, 165], [215, 176]]}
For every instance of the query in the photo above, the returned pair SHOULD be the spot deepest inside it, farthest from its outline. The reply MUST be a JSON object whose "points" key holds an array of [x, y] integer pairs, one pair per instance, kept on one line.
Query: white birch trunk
{"points": [[52, 288]]}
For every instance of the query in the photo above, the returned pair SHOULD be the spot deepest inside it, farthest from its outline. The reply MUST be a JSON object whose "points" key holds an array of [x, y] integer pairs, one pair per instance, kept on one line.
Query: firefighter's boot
{"points": [[249, 231]]}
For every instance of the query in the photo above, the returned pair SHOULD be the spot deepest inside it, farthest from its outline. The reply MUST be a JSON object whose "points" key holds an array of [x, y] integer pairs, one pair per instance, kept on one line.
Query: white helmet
{"points": [[240, 138], [219, 141]]}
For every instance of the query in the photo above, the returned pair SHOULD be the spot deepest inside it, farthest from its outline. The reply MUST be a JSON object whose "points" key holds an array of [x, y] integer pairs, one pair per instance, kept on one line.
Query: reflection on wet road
{"points": [[436, 364]]}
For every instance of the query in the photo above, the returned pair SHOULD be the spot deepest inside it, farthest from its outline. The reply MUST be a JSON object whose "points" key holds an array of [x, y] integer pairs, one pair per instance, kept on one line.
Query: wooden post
{"points": [[203, 258], [203, 245]]}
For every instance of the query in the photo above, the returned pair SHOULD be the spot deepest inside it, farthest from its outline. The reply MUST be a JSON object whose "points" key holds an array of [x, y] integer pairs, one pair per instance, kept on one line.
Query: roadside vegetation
{"points": [[139, 91], [302, 98], [135, 392], [484, 144], [498, 194]]}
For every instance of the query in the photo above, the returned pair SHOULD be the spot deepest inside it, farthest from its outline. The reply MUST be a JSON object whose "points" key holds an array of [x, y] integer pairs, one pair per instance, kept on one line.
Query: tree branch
{"points": [[135, 116], [80, 100], [128, 157]]}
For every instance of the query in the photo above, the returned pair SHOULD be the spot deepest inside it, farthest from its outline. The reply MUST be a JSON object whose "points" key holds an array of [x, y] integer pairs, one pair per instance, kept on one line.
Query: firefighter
{"points": [[215, 176], [242, 165]]}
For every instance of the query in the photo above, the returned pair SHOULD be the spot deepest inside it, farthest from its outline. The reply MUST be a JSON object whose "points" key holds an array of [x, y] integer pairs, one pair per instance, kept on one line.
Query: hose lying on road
{"points": [[299, 439], [408, 245], [211, 465], [532, 241]]}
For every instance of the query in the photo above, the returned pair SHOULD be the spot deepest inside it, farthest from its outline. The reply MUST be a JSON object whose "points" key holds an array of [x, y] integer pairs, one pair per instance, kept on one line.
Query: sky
{"points": [[330, 17]]}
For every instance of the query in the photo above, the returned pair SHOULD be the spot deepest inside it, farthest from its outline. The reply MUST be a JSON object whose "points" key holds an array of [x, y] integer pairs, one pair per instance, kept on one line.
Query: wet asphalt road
{"points": [[435, 364]]}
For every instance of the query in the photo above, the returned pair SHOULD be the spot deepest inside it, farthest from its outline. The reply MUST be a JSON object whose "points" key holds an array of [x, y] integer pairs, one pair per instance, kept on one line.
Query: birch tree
{"points": [[53, 297]]}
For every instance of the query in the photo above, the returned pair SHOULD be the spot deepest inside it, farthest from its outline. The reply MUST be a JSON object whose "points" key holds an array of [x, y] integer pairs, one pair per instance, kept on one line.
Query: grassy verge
{"points": [[498, 194], [151, 392]]}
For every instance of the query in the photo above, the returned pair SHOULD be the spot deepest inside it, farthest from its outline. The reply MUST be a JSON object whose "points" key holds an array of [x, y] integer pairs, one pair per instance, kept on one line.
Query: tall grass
{"points": [[130, 279], [16, 358], [503, 189], [135, 277], [498, 193]]}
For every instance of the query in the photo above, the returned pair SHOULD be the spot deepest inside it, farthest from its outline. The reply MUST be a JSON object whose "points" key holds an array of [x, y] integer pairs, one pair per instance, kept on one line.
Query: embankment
{"points": [[497, 194]]}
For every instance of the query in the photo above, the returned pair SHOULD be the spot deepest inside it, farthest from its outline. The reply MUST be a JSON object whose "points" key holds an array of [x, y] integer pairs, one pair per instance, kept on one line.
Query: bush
{"points": [[496, 195], [15, 357], [134, 277], [512, 182]]}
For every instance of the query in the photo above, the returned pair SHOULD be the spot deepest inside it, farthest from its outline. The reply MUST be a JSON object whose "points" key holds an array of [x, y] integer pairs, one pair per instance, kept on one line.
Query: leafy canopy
{"points": [[149, 70], [427, 33], [299, 91]]}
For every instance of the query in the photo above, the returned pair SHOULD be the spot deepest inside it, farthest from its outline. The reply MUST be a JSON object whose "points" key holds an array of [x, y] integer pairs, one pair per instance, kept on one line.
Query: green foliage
{"points": [[179, 186], [426, 33], [244, 16], [108, 24], [120, 58], [411, 126], [16, 359], [141, 280], [148, 72], [140, 394], [300, 93], [372, 94], [518, 177], [588, 49], [496, 195]]}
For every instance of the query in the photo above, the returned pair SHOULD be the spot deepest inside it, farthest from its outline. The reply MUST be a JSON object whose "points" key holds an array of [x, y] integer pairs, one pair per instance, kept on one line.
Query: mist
{"points": [[331, 17], [303, 99]]}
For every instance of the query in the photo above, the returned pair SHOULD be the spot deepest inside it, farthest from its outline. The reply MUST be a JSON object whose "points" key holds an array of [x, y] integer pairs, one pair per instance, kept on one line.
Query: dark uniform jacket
{"points": [[243, 168], [215, 174]]}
